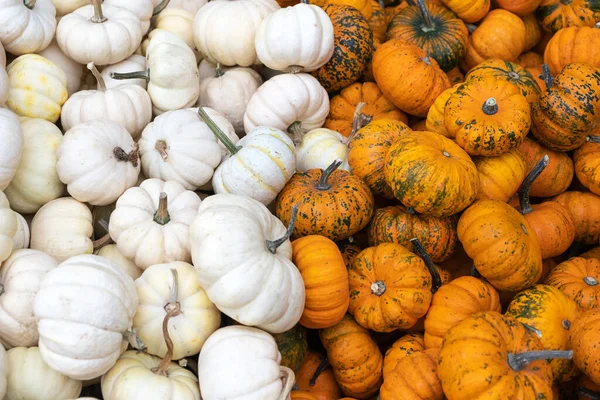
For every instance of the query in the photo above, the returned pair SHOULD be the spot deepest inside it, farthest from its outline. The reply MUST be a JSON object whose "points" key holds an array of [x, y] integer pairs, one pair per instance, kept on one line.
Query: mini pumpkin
{"points": [[500, 177], [319, 148], [587, 162], [584, 207], [578, 278], [555, 15], [11, 152], [435, 115], [571, 45], [316, 377], [584, 339], [401, 348], [364, 6], [28, 25], [469, 10], [519, 7], [293, 347]]}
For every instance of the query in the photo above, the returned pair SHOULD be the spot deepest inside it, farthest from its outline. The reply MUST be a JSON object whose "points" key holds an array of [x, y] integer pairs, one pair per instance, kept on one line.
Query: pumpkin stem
{"points": [[436, 280], [161, 147], [296, 130], [588, 393], [273, 245], [378, 288], [130, 335], [490, 107], [288, 378], [533, 330], [381, 3], [173, 309], [131, 75], [161, 216], [323, 184], [427, 22], [566, 324], [358, 121], [547, 76], [161, 6], [518, 361], [590, 280], [218, 71], [97, 75], [475, 272], [221, 136], [132, 157], [98, 17], [103, 241], [322, 366], [294, 69], [29, 3], [592, 139], [471, 27], [304, 1], [524, 200], [1, 289], [410, 210]]}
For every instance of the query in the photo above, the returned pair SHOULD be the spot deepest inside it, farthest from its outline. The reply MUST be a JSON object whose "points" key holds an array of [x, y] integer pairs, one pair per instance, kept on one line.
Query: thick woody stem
{"points": [[490, 107], [593, 139], [29, 3], [436, 279], [524, 200], [323, 184], [273, 245], [427, 22], [358, 121], [519, 361], [547, 76], [103, 241], [161, 147], [161, 6], [98, 17], [173, 309], [322, 366], [132, 156], [97, 75], [162, 213], [296, 130]]}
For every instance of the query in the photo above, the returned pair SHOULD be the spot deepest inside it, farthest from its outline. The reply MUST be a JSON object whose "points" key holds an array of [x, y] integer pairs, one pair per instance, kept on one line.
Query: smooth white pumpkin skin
{"points": [[260, 169], [192, 150], [11, 136], [240, 362], [64, 7], [298, 38], [134, 62], [189, 330], [8, 227], [82, 308], [4, 86], [24, 30], [139, 237], [112, 253], [20, 278], [36, 181], [132, 378], [88, 164], [38, 87], [102, 43], [285, 99], [224, 31], [62, 228], [191, 6], [178, 21], [72, 69], [319, 148], [21, 238], [241, 277], [3, 372], [141, 8]]}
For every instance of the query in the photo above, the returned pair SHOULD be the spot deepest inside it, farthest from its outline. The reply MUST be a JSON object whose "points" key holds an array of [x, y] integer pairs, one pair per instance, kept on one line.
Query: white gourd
{"points": [[64, 7], [112, 253], [83, 308], [72, 69], [21, 238], [191, 6], [319, 148], [11, 137], [26, 26], [20, 278], [8, 228], [36, 181], [98, 161], [242, 256], [134, 62]]}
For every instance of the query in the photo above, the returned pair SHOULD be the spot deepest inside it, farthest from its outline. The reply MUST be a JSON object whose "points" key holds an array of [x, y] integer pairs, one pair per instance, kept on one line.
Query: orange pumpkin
{"points": [[578, 279], [405, 346], [500, 177], [519, 7], [530, 59], [456, 76], [364, 6], [571, 45], [302, 395], [587, 164], [419, 125], [378, 21], [435, 115], [533, 31], [390, 12], [315, 377], [349, 251], [585, 332], [587, 389], [555, 15], [585, 209], [469, 10]]}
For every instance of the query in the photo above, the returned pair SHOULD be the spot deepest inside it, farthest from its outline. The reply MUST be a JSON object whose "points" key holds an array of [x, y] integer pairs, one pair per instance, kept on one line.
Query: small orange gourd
{"points": [[584, 339], [578, 278], [500, 177]]}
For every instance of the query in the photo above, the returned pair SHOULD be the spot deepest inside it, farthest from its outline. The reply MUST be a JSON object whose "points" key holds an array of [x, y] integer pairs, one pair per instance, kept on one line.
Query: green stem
{"points": [[427, 22], [218, 71], [162, 216], [323, 184], [131, 75], [322, 366], [524, 200], [223, 138], [161, 6], [273, 245], [519, 361], [593, 139], [436, 280], [98, 16]]}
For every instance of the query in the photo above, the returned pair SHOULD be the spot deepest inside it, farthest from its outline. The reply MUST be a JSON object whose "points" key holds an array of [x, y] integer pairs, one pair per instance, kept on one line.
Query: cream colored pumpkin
{"points": [[112, 253], [62, 228], [224, 31], [319, 148], [177, 21], [245, 272], [21, 237], [158, 291], [36, 181], [179, 146], [97, 160], [3, 372], [99, 34], [26, 26], [38, 87], [20, 278], [228, 92], [294, 39], [29, 377], [149, 228], [4, 86], [134, 62], [296, 103], [11, 137], [143, 9], [127, 105], [242, 362], [191, 6], [206, 69], [72, 69], [64, 7], [82, 308], [2, 56], [8, 228]]}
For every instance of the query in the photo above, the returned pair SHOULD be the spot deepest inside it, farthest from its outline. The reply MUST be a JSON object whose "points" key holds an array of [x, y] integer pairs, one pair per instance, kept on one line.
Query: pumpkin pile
{"points": [[308, 200]]}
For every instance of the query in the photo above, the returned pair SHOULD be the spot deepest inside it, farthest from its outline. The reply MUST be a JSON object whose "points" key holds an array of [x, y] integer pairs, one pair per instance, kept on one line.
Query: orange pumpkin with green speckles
{"points": [[456, 76], [333, 203], [349, 251], [549, 314], [398, 224], [555, 15], [353, 47], [503, 246], [579, 279], [378, 21], [571, 45], [431, 174], [435, 115], [500, 177], [584, 339], [469, 10], [587, 165], [293, 346], [584, 207], [320, 384], [405, 346], [356, 360]]}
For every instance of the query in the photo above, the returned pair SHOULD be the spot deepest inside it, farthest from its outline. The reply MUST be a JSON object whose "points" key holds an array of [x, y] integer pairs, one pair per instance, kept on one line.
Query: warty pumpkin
{"points": [[403, 347], [316, 376], [584, 207], [435, 115], [578, 278], [469, 10], [431, 174], [571, 45], [500, 177], [356, 360], [584, 339], [558, 14], [587, 164], [293, 346], [400, 67], [415, 376]]}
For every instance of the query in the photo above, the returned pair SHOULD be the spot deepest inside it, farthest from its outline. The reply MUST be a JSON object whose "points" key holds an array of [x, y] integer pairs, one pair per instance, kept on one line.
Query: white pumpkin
{"points": [[4, 86], [294, 39], [26, 26], [72, 69], [159, 288], [97, 160], [21, 238], [11, 137], [319, 148], [150, 223], [36, 181], [242, 256], [134, 62], [2, 56], [3, 372], [82, 308], [20, 278], [179, 146], [228, 92], [38, 87], [296, 103], [112, 253], [207, 70], [143, 9], [62, 228], [127, 105], [8, 228], [99, 34], [191, 6], [64, 7], [29, 377], [240, 362], [174, 20], [224, 30]]}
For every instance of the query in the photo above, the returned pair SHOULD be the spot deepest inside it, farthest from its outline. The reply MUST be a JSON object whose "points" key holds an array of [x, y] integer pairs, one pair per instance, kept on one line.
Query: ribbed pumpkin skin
{"points": [[473, 361], [431, 174], [368, 149], [557, 14], [519, 7], [586, 352], [353, 47], [510, 72], [500, 177], [408, 77], [456, 76], [322, 267], [533, 31], [405, 346], [293, 346], [570, 278], [454, 302], [435, 115], [302, 395], [364, 6], [445, 40], [584, 207], [356, 360], [554, 227], [530, 59], [378, 21], [325, 387], [394, 224], [469, 10], [569, 109], [342, 106], [587, 166], [502, 245], [349, 252], [548, 310], [573, 44]]}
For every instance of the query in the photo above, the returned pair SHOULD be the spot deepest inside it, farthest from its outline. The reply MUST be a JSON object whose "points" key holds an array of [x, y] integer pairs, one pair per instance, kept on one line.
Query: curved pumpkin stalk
{"points": [[174, 309], [101, 242], [161, 6], [273, 245], [519, 361], [546, 75], [221, 136], [588, 393], [132, 156], [323, 184], [436, 279], [320, 368], [524, 201], [288, 378], [427, 22]]}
